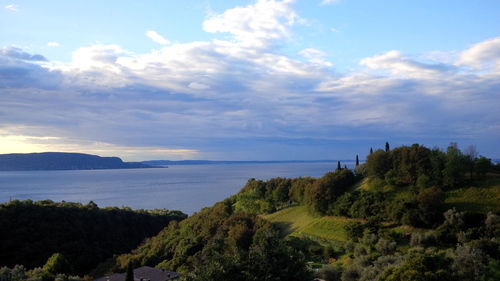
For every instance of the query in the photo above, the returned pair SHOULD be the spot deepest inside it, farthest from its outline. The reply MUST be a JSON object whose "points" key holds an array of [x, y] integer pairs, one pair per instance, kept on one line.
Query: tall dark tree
{"points": [[357, 160], [454, 167], [130, 272], [371, 150], [470, 154], [387, 148], [338, 166]]}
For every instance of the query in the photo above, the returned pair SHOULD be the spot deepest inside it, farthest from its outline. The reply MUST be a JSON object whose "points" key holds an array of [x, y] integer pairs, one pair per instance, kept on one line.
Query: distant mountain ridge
{"points": [[63, 161]]}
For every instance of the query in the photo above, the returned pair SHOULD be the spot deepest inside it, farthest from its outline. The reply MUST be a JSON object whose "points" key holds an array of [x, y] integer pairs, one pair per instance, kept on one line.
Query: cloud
{"points": [[315, 56], [396, 63], [157, 38], [329, 2], [19, 69], [12, 143], [53, 44], [198, 86], [482, 55], [18, 53], [243, 97], [12, 7], [255, 25]]}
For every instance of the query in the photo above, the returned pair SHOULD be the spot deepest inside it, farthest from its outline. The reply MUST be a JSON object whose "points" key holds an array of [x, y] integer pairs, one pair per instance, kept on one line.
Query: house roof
{"points": [[144, 273]]}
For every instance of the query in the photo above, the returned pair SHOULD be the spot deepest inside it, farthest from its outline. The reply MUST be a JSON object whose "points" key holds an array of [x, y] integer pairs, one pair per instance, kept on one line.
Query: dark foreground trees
{"points": [[83, 235]]}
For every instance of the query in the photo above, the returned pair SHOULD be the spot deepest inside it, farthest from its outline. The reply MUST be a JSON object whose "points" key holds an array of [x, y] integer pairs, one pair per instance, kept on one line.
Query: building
{"points": [[144, 273]]}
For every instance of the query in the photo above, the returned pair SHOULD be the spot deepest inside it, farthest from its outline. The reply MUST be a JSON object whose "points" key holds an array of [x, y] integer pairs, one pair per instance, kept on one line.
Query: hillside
{"points": [[63, 161], [482, 196], [220, 243], [30, 232], [297, 221]]}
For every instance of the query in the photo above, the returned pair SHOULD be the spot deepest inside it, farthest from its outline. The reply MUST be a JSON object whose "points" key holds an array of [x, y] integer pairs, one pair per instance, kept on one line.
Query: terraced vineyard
{"points": [[296, 221]]}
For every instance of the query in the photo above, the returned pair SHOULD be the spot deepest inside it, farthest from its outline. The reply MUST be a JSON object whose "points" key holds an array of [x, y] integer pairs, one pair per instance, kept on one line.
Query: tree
{"points": [[330, 273], [468, 263], [325, 190], [378, 163], [387, 148], [371, 150], [454, 167], [430, 203], [357, 160], [130, 272], [481, 166], [338, 166], [470, 154], [57, 263], [420, 266], [354, 230], [410, 162]]}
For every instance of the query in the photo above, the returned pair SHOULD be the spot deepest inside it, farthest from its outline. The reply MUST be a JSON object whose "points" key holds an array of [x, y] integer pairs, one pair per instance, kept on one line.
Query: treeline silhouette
{"points": [[85, 235]]}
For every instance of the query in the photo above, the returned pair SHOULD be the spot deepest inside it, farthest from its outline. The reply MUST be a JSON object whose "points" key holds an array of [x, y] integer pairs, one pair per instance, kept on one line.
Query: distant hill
{"points": [[63, 161]]}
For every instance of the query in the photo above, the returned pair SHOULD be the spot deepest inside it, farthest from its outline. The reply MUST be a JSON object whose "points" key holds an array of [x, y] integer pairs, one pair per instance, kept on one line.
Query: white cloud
{"points": [[157, 38], [315, 56], [53, 44], [311, 53], [481, 55], [255, 25], [397, 64], [12, 8], [329, 2], [198, 86]]}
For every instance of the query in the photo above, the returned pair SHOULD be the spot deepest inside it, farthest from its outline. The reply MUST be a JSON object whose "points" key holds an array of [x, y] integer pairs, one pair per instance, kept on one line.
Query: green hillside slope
{"points": [[297, 221]]}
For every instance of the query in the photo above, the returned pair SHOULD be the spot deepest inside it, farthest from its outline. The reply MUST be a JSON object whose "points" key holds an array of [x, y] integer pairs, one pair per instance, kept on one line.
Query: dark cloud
{"points": [[18, 53], [17, 73]]}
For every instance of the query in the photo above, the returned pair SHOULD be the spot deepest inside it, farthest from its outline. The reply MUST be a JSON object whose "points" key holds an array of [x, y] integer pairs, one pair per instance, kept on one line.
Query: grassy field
{"points": [[476, 199], [330, 228], [291, 219], [296, 221]]}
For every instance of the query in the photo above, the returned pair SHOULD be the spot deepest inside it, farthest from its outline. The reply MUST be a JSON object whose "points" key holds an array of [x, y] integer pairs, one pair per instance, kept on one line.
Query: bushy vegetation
{"points": [[84, 235], [420, 166], [20, 273], [262, 197], [220, 243]]}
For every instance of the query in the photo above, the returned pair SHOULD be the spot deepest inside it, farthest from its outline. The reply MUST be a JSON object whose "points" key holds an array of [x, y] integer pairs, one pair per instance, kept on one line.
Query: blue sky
{"points": [[248, 80]]}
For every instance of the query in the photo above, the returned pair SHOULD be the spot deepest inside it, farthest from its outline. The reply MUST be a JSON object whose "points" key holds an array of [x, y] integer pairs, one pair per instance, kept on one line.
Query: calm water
{"points": [[186, 188]]}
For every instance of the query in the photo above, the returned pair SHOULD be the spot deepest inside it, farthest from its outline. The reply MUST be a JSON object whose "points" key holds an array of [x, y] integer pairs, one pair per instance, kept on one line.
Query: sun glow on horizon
{"points": [[34, 144]]}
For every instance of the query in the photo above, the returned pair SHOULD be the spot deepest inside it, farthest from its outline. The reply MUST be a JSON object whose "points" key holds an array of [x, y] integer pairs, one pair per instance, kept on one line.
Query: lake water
{"points": [[187, 188]]}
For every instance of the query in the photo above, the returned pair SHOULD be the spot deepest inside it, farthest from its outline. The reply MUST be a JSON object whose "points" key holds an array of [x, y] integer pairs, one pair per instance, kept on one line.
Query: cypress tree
{"points": [[130, 272], [371, 150], [357, 160], [387, 147], [338, 165]]}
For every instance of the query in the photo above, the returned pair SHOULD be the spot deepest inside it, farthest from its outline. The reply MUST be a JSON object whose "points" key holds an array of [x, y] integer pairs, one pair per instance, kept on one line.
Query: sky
{"points": [[248, 80]]}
